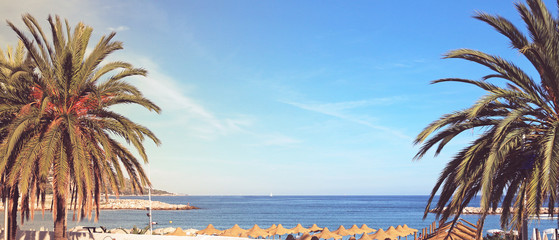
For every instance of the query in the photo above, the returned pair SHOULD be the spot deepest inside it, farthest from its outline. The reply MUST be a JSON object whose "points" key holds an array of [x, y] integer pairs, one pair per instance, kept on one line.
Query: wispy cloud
{"points": [[337, 107], [404, 64], [341, 110], [275, 139], [167, 92], [118, 29]]}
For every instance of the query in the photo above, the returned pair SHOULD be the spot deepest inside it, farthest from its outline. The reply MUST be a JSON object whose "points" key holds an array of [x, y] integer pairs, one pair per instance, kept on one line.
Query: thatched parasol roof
{"points": [[367, 229], [256, 231], [355, 230], [342, 231], [315, 228], [402, 231], [381, 235], [365, 237], [391, 231], [305, 236], [280, 230], [209, 230], [177, 232], [326, 234], [235, 231], [274, 226], [299, 229], [408, 229]]}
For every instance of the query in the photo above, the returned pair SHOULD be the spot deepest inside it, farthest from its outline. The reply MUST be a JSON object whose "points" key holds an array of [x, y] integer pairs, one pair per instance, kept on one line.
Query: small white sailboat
{"points": [[271, 195]]}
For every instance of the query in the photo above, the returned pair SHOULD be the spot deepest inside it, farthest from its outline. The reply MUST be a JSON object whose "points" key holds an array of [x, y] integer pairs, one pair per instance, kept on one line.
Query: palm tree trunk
{"points": [[60, 218], [12, 213], [524, 227]]}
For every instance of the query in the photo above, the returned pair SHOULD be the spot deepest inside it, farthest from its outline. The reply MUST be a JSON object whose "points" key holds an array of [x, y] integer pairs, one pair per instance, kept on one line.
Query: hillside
{"points": [[127, 190]]}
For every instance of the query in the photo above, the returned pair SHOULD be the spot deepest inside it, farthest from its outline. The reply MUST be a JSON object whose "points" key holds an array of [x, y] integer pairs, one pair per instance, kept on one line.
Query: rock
{"points": [[191, 231], [118, 231], [134, 204], [163, 231]]}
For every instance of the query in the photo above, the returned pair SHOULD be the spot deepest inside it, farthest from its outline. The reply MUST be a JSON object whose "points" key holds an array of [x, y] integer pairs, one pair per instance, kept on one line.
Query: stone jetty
{"points": [[132, 204], [139, 204], [477, 210]]}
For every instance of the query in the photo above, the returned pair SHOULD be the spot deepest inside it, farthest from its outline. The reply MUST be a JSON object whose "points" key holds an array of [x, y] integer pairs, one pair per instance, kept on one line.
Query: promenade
{"points": [[477, 210], [49, 235]]}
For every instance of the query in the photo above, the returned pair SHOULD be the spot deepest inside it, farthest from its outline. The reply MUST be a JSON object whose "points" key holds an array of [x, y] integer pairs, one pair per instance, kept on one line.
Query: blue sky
{"points": [[291, 97]]}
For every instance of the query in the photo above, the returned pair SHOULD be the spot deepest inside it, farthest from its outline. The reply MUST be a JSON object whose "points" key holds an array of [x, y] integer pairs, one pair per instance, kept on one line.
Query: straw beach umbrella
{"points": [[355, 230], [177, 232], [380, 235], [403, 231], [210, 230], [299, 229], [391, 231], [315, 228], [280, 230], [409, 230], [367, 229], [271, 228], [400, 229], [326, 234], [256, 232], [305, 236], [274, 226], [365, 237], [342, 231], [230, 234], [235, 231]]}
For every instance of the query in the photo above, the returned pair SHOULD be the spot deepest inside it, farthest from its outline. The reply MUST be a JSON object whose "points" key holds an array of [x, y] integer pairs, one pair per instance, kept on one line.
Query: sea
{"points": [[325, 211]]}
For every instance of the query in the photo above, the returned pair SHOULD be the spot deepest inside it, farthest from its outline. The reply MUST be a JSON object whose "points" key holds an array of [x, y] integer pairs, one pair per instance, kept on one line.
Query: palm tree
{"points": [[514, 161], [15, 79], [67, 133]]}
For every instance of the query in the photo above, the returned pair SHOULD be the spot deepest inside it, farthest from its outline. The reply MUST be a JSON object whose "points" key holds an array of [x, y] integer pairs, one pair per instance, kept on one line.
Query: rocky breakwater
{"points": [[139, 204], [478, 210], [130, 204]]}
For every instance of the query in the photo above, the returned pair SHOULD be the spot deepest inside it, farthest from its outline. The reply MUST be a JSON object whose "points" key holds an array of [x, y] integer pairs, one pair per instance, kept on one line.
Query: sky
{"points": [[291, 97]]}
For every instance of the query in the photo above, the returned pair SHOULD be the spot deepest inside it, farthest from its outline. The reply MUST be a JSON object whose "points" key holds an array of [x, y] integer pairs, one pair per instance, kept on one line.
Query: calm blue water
{"points": [[326, 211]]}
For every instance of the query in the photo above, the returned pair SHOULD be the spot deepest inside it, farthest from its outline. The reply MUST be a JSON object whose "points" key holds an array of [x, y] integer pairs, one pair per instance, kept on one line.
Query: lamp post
{"points": [[5, 214], [524, 227], [149, 198]]}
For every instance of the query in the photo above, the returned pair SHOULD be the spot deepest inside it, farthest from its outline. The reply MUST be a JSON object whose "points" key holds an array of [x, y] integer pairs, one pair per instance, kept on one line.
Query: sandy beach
{"points": [[47, 235]]}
